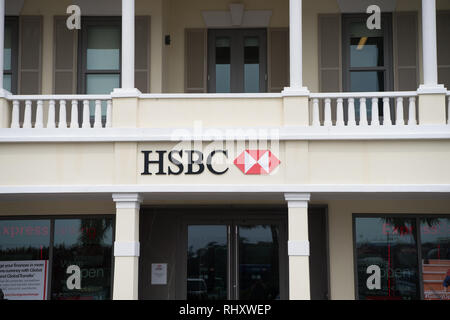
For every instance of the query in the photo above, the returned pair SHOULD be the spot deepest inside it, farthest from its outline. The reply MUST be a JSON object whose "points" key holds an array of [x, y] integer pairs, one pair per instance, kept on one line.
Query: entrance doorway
{"points": [[242, 257]]}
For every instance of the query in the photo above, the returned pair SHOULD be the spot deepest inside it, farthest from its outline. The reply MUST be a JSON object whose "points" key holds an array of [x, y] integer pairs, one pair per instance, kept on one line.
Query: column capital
{"points": [[297, 200], [127, 200]]}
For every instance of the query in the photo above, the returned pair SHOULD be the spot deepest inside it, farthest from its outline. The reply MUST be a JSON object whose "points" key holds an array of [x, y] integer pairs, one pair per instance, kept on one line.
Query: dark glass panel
{"points": [[251, 64], [223, 65], [258, 263], [207, 262]]}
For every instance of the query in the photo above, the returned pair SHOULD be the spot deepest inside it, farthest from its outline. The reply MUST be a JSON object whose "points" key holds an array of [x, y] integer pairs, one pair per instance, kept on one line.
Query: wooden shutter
{"points": [[195, 60], [330, 70], [406, 56], [443, 44], [278, 39], [65, 57], [142, 71], [30, 56]]}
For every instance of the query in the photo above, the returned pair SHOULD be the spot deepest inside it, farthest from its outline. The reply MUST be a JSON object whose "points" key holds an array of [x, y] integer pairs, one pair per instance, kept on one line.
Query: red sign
{"points": [[256, 162]]}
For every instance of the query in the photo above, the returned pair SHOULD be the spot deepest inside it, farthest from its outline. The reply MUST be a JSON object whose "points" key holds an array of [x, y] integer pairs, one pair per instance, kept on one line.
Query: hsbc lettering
{"points": [[196, 164]]}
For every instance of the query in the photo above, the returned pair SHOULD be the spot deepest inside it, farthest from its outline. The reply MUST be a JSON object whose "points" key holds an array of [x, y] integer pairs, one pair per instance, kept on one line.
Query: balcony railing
{"points": [[74, 111], [363, 109]]}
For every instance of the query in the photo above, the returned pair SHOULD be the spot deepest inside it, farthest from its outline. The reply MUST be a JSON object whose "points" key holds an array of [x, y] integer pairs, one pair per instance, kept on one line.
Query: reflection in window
{"points": [[207, 263], [82, 259], [386, 254], [435, 239], [103, 51]]}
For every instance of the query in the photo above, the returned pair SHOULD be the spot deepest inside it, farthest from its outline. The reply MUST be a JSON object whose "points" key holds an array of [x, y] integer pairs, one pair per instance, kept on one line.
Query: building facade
{"points": [[214, 150]]}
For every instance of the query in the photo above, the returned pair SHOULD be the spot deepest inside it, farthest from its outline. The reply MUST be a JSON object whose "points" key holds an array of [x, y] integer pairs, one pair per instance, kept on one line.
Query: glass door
{"points": [[237, 61], [236, 260]]}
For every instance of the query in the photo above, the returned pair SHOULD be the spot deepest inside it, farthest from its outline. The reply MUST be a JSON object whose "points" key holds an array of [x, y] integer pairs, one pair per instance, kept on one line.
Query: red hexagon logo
{"points": [[256, 162]]}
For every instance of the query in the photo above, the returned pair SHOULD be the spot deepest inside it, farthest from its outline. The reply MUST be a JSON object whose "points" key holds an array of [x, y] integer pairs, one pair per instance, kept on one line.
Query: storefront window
{"points": [[56, 258], [435, 239], [397, 261], [387, 258], [24, 255], [82, 259]]}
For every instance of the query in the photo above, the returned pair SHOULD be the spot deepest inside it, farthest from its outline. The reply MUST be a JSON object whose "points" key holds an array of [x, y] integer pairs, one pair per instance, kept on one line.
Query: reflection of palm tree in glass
{"points": [[93, 231]]}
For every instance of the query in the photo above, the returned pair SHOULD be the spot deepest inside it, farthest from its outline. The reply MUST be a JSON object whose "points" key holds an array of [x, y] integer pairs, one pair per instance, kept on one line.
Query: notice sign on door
{"points": [[24, 280], [159, 273]]}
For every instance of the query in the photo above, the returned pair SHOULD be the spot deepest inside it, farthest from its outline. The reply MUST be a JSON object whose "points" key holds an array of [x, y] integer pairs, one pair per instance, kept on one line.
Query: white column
{"points": [[2, 40], [296, 48], [298, 246], [429, 39], [126, 246], [128, 19], [128, 52]]}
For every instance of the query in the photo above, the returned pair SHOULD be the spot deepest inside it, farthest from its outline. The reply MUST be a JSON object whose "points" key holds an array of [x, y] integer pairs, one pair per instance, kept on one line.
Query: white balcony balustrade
{"points": [[86, 111], [376, 109]]}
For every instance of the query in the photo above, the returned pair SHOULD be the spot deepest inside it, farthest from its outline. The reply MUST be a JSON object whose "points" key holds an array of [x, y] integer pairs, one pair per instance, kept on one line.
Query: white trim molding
{"points": [[127, 200], [126, 249], [237, 17], [297, 200], [299, 248]]}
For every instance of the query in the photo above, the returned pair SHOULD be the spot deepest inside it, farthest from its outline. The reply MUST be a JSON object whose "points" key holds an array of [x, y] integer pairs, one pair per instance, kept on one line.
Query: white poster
{"points": [[159, 273], [24, 280]]}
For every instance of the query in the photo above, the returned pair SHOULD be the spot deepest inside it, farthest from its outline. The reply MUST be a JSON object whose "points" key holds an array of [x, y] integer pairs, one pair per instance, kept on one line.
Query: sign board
{"points": [[159, 273], [24, 280]]}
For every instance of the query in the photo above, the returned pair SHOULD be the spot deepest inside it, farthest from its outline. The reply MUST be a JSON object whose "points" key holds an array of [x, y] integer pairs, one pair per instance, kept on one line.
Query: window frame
{"points": [[52, 219], [237, 65], [388, 68], [417, 217], [13, 22], [87, 22]]}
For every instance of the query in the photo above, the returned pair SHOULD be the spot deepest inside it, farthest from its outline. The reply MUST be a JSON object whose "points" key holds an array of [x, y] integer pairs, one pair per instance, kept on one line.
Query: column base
{"points": [[126, 93], [432, 89], [296, 92]]}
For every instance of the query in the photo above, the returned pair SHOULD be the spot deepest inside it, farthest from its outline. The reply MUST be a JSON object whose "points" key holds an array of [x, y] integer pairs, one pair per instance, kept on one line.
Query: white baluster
{"points": [[399, 121], [15, 115], [74, 115], [27, 116], [412, 119], [386, 112], [316, 120], [351, 113], [375, 113], [327, 113], [340, 113], [98, 114], [363, 112], [51, 122], [62, 115], [39, 124], [86, 115], [109, 114]]}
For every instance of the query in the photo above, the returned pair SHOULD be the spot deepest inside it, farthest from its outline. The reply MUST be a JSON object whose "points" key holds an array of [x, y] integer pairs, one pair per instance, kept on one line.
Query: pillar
{"points": [[126, 246], [298, 246]]}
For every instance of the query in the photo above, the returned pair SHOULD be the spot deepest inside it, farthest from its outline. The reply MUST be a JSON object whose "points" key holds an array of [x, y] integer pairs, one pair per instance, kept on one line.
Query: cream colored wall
{"points": [[314, 162], [341, 234], [43, 205]]}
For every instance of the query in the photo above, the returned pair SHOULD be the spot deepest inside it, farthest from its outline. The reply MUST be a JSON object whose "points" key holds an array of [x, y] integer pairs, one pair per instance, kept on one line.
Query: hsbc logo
{"points": [[256, 162], [194, 162]]}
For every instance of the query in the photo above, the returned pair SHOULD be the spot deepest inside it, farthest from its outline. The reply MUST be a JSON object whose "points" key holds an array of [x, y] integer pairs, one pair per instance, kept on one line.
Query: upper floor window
{"points": [[10, 54], [100, 55]]}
